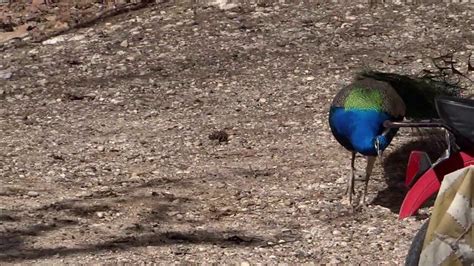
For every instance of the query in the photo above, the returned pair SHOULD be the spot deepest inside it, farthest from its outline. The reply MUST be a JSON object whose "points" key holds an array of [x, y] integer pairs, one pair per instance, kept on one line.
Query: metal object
{"points": [[426, 123], [430, 179]]}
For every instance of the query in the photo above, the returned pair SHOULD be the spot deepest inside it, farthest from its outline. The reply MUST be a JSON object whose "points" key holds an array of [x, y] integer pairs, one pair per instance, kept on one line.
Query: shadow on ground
{"points": [[394, 166], [151, 226], [221, 238]]}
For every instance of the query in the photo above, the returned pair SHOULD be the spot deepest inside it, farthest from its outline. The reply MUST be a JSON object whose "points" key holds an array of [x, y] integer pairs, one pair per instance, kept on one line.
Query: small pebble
{"points": [[5, 74], [124, 44], [32, 194]]}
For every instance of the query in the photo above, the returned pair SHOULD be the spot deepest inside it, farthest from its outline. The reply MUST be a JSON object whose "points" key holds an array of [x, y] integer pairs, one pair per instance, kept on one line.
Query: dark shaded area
{"points": [[6, 216], [163, 181], [76, 208], [395, 163], [80, 213], [13, 240], [219, 135], [413, 256], [252, 173], [223, 239]]}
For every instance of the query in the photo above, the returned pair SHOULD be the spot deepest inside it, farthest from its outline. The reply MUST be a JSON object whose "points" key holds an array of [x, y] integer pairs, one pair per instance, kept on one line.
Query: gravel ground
{"points": [[109, 150]]}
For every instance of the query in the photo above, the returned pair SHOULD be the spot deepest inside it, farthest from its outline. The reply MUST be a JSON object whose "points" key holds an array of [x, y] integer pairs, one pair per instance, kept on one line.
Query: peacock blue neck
{"points": [[360, 128], [363, 140]]}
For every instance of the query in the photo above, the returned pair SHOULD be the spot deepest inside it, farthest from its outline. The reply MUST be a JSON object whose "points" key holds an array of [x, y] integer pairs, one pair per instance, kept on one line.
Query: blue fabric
{"points": [[357, 130]]}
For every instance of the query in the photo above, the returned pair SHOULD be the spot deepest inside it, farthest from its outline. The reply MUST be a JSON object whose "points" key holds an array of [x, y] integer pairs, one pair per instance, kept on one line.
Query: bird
{"points": [[359, 110]]}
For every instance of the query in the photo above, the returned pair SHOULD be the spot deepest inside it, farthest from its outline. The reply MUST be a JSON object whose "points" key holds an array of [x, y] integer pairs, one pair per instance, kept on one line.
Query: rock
{"points": [[84, 194], [343, 244], [124, 44], [42, 82], [54, 40], [33, 194], [5, 74], [323, 186], [373, 230], [341, 180], [134, 176], [223, 4], [77, 37]]}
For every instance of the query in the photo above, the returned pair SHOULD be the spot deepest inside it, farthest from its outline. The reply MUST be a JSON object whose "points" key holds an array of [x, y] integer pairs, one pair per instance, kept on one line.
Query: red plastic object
{"points": [[418, 163], [430, 181]]}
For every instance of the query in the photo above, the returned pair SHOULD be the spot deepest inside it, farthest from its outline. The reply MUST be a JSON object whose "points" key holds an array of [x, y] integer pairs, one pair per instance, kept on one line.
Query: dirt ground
{"points": [[105, 148]]}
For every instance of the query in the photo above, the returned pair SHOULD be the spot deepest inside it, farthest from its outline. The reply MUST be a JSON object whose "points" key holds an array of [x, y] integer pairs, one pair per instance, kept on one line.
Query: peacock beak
{"points": [[378, 147]]}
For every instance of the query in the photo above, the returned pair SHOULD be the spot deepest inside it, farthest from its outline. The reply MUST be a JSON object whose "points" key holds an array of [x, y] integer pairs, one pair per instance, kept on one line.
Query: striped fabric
{"points": [[450, 239]]}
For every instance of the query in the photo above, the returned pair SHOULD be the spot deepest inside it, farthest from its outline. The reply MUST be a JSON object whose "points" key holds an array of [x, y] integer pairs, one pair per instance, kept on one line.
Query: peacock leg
{"points": [[350, 185], [368, 172]]}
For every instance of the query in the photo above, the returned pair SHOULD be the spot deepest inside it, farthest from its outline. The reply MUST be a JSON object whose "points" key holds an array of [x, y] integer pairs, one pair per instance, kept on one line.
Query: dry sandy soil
{"points": [[105, 153]]}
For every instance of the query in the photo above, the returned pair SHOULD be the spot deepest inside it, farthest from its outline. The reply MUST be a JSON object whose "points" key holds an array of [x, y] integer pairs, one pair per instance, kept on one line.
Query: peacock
{"points": [[359, 110]]}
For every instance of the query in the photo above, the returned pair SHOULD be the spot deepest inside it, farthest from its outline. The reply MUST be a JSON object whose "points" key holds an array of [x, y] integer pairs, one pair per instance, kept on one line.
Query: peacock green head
{"points": [[364, 99]]}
